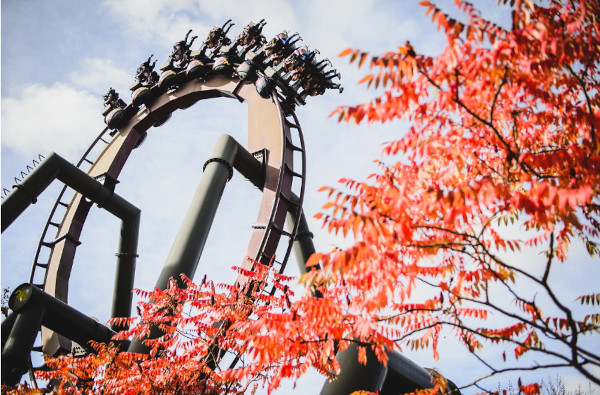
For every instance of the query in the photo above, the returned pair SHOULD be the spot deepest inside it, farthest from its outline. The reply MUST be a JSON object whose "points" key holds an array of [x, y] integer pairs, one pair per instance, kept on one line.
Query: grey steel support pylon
{"points": [[193, 233], [191, 238], [33, 307], [55, 167], [189, 243], [400, 376]]}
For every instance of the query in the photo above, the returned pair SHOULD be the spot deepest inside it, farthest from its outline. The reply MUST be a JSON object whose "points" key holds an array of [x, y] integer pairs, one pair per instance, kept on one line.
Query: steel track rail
{"points": [[38, 267], [269, 129]]}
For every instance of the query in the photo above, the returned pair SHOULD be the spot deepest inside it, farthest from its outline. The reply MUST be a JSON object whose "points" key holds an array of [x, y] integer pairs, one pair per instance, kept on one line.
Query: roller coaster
{"points": [[273, 78]]}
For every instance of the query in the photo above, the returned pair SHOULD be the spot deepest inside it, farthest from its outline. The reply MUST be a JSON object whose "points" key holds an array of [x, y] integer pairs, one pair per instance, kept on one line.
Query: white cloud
{"points": [[279, 15], [336, 21], [98, 75], [41, 119], [159, 20], [328, 24], [167, 21]]}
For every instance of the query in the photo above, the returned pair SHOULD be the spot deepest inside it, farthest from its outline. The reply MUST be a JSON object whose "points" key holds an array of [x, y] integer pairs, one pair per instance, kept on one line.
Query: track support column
{"points": [[56, 167], [193, 233], [32, 308], [191, 238]]}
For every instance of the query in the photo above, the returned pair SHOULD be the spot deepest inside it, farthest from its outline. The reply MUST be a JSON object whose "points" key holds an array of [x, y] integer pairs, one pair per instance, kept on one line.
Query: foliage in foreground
{"points": [[205, 325], [504, 129]]}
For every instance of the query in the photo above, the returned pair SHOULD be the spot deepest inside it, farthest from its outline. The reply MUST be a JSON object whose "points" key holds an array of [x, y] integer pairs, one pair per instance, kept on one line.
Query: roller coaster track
{"points": [[53, 222], [272, 79], [271, 130]]}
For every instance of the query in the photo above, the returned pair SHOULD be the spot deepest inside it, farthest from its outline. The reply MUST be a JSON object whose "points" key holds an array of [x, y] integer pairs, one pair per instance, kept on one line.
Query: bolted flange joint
{"points": [[222, 161]]}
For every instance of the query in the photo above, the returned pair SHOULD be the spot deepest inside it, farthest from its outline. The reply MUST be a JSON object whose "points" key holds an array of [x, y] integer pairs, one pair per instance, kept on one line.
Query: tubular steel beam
{"points": [[7, 325], [400, 376], [33, 308], [191, 238], [16, 351], [55, 167], [267, 131], [355, 376], [193, 233]]}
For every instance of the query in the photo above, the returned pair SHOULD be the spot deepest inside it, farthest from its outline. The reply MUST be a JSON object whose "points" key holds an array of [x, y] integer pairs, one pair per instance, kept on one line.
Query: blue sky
{"points": [[60, 57]]}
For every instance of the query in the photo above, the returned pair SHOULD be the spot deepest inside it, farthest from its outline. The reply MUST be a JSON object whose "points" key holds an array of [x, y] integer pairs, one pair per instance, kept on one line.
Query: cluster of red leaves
{"points": [[206, 327], [504, 128]]}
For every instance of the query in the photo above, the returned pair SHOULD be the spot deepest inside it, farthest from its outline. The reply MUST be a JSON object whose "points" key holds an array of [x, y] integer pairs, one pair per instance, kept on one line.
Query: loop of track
{"points": [[269, 127]]}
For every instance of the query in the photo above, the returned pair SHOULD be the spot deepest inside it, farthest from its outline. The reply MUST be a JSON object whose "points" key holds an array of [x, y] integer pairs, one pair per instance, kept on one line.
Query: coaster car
{"points": [[171, 79], [116, 118], [144, 95], [198, 68]]}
